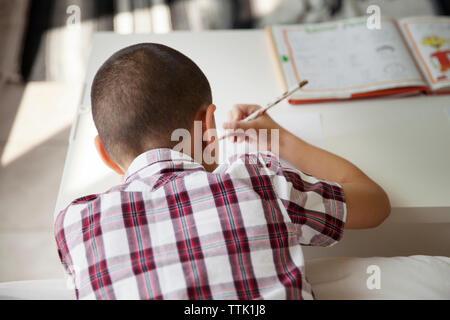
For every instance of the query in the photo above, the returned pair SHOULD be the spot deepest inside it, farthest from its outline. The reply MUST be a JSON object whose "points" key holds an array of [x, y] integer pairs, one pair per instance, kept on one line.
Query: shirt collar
{"points": [[154, 160]]}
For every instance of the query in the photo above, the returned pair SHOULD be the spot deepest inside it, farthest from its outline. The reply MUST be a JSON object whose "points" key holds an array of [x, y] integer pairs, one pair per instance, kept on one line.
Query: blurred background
{"points": [[45, 46]]}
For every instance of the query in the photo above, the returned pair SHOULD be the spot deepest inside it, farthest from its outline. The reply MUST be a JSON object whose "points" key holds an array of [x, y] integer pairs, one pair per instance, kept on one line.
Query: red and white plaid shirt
{"points": [[176, 231]]}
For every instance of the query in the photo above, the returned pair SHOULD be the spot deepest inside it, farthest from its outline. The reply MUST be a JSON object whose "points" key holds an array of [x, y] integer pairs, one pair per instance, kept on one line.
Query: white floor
{"points": [[35, 123]]}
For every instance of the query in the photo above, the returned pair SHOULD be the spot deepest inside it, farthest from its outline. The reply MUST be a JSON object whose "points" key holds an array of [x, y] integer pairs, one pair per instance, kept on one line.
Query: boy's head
{"points": [[140, 95]]}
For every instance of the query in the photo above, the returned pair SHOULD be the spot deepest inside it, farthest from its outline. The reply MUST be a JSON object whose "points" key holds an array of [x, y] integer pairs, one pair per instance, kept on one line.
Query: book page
{"points": [[429, 39], [345, 57]]}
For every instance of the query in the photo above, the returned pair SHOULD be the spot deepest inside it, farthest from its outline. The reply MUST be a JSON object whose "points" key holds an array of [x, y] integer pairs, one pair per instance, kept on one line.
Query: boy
{"points": [[181, 229]]}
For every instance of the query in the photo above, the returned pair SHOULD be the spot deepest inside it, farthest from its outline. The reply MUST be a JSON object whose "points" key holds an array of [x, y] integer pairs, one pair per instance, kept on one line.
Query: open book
{"points": [[346, 59]]}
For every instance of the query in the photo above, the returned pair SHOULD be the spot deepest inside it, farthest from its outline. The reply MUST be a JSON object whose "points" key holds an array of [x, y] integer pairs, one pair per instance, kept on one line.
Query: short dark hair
{"points": [[141, 94]]}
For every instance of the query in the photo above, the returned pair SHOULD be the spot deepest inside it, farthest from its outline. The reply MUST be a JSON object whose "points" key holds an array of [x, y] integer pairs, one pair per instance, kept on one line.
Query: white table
{"points": [[403, 144]]}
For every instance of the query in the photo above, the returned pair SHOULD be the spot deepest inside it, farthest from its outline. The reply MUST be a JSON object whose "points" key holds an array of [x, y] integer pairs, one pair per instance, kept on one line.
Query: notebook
{"points": [[345, 59]]}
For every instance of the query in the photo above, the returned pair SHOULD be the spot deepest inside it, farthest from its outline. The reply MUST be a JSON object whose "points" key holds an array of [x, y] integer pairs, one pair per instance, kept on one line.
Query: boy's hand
{"points": [[242, 111], [367, 203], [239, 131]]}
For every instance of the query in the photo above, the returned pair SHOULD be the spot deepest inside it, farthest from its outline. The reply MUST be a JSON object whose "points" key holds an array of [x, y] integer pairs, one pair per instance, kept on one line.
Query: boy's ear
{"points": [[104, 156], [210, 122], [206, 116]]}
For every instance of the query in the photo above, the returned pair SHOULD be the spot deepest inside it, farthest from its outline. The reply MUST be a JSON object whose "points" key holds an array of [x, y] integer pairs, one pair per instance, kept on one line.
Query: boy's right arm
{"points": [[367, 203]]}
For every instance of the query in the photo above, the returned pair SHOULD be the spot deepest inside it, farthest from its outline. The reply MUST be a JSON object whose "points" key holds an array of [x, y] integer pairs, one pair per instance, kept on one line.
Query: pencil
{"points": [[260, 112]]}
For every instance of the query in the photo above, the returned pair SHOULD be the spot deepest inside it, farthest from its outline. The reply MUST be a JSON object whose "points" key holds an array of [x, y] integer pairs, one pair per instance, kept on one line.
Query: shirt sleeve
{"points": [[317, 207], [62, 242], [61, 246], [60, 238]]}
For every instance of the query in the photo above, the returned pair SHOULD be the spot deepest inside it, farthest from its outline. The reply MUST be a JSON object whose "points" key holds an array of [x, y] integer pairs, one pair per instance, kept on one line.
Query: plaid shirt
{"points": [[176, 231]]}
